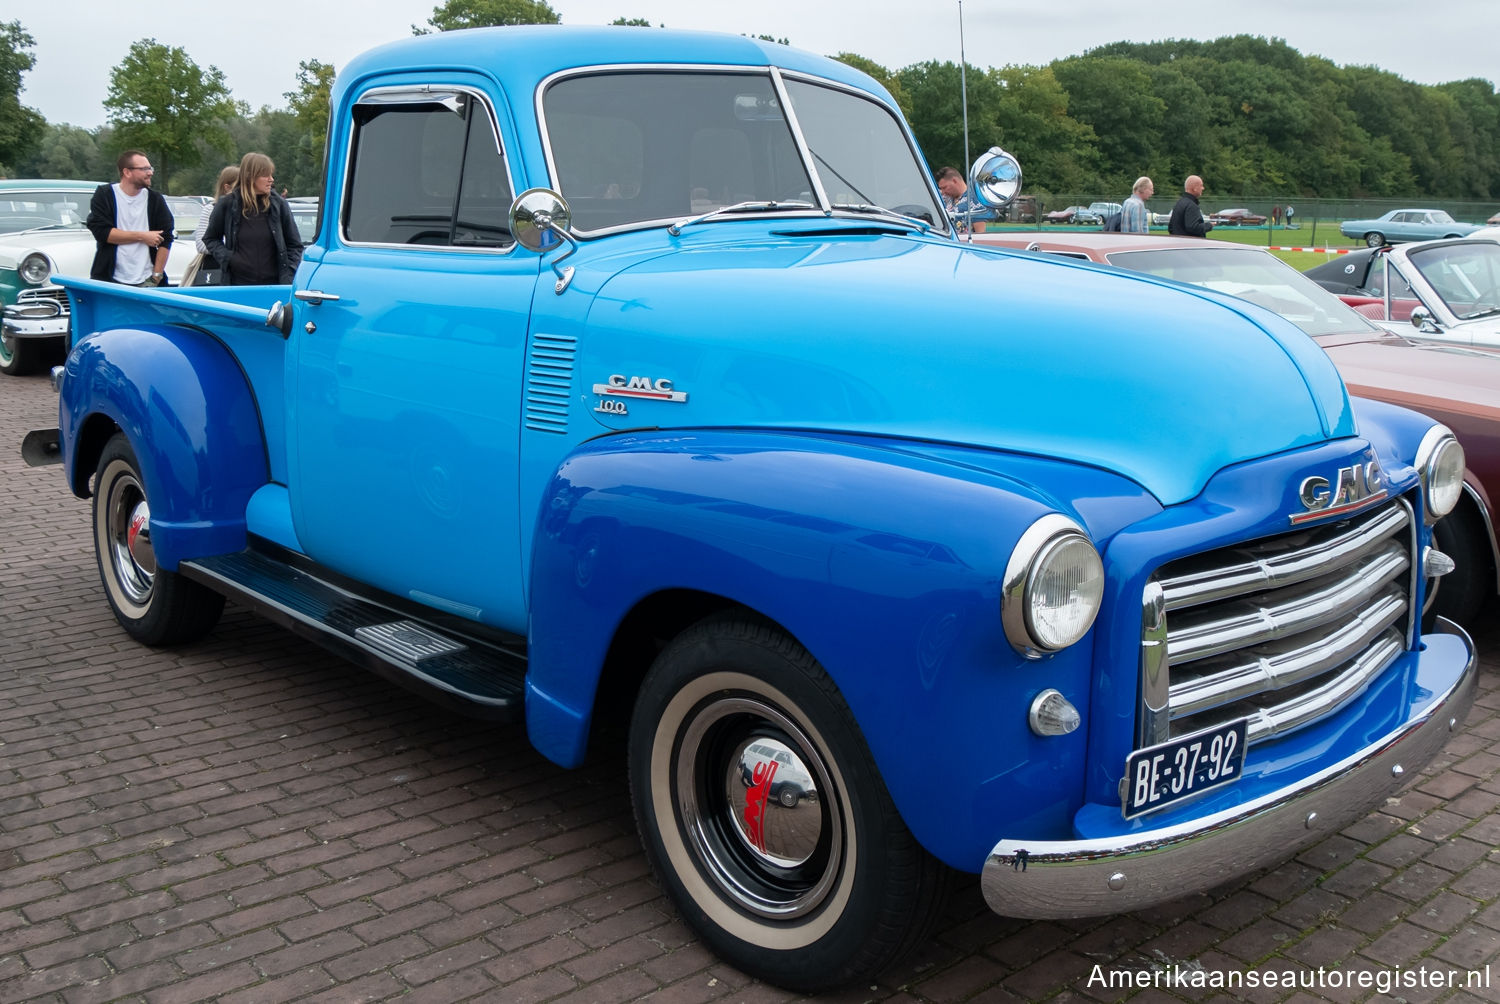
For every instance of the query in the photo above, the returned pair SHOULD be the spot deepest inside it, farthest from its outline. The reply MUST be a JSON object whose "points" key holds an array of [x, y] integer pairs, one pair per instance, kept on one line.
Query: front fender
{"points": [[885, 562], [182, 400]]}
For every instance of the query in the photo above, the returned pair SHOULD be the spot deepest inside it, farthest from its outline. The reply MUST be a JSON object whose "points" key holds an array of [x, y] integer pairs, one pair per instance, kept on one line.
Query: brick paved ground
{"points": [[250, 820]]}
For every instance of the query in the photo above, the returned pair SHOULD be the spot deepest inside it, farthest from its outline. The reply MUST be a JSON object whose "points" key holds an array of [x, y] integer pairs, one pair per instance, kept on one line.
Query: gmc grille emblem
{"points": [[1354, 487]]}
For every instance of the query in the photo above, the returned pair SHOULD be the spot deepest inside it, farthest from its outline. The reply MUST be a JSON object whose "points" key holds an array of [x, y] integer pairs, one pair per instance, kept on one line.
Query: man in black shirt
{"points": [[1187, 219]]}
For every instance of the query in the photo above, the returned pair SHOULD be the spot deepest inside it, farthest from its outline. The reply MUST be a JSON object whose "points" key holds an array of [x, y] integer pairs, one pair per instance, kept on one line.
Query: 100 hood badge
{"points": [[1353, 488]]}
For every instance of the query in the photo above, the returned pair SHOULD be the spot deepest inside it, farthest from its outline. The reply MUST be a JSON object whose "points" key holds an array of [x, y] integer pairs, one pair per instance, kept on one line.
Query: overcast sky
{"points": [[258, 45]]}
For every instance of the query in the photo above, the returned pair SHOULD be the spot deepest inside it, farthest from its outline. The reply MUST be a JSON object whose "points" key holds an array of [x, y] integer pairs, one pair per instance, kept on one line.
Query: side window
{"points": [[426, 171]]}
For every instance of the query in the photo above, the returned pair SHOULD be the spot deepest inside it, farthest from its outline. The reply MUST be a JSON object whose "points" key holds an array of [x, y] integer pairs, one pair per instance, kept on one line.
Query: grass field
{"points": [[1328, 236]]}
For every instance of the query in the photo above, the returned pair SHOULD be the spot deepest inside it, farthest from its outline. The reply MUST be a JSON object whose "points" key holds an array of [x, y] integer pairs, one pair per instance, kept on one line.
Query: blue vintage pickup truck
{"points": [[638, 375]]}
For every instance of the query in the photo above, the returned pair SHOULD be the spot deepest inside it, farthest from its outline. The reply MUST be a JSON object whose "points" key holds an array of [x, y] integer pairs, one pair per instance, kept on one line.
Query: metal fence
{"points": [[1312, 220]]}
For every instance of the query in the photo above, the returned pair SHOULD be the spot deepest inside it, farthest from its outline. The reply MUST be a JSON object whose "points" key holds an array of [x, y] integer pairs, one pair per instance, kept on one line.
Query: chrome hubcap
{"points": [[758, 808], [131, 553]]}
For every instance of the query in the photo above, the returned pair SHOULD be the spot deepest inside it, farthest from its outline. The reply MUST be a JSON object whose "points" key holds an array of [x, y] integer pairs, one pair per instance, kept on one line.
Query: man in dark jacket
{"points": [[132, 226], [1187, 219]]}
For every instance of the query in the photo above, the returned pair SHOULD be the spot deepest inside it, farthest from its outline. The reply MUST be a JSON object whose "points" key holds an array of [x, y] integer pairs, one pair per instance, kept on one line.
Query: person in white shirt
{"points": [[132, 226]]}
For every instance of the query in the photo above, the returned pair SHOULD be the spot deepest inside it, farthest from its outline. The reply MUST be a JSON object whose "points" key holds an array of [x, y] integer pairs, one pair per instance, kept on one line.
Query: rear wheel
{"points": [[807, 900], [155, 606], [1375, 239], [18, 356]]}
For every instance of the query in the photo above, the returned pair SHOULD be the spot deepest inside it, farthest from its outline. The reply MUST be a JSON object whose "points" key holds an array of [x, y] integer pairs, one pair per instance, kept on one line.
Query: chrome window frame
{"points": [[419, 94]]}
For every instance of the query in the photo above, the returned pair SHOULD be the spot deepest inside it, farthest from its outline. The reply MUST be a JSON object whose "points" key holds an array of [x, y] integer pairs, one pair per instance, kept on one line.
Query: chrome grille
{"points": [[549, 381], [45, 294], [1281, 631]]}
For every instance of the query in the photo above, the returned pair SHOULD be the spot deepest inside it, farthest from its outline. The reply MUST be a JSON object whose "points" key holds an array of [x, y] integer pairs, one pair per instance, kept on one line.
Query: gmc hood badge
{"points": [[1354, 487]]}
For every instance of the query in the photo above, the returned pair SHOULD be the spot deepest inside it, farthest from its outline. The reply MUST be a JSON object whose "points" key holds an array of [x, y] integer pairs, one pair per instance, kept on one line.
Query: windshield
{"points": [[1251, 275], [658, 146], [25, 210], [1466, 276]]}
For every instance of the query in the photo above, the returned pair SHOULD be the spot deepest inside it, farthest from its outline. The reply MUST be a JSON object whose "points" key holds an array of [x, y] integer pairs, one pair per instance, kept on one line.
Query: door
{"points": [[404, 391]]}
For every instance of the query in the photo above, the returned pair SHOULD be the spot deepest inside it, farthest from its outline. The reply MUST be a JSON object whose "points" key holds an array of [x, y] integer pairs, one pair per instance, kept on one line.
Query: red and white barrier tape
{"points": [[1317, 250]]}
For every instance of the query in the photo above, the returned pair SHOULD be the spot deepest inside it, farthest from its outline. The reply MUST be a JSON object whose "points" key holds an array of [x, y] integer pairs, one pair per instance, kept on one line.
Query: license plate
{"points": [[1160, 775]]}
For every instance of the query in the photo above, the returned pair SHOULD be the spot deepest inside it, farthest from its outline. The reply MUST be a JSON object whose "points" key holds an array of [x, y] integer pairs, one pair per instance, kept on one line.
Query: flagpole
{"points": [[963, 84]]}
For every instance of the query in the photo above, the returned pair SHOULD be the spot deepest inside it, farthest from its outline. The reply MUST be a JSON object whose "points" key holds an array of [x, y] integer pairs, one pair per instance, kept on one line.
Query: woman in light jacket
{"points": [[251, 233]]}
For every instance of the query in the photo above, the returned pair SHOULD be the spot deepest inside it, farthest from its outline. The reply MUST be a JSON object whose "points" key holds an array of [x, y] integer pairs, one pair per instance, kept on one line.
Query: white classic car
{"points": [[1457, 288], [35, 310]]}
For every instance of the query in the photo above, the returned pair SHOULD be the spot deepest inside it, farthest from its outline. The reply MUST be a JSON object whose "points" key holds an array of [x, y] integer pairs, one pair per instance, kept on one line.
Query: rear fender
{"points": [[186, 406]]}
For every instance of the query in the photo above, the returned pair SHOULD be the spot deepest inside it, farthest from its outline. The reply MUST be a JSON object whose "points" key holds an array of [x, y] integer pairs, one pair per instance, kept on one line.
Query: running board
{"points": [[464, 674]]}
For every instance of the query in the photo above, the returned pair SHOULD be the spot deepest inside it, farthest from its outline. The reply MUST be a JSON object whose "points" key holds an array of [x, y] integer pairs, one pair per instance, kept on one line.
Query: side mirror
{"points": [[995, 178], [1421, 319], [539, 221], [538, 217]]}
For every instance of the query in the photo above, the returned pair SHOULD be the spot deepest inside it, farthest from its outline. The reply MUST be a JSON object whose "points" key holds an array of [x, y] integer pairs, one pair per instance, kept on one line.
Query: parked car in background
{"points": [[1458, 387], [1494, 220], [1457, 288], [1405, 225], [1097, 212], [30, 204], [1024, 209], [36, 310], [1236, 218], [1064, 215], [1359, 279]]}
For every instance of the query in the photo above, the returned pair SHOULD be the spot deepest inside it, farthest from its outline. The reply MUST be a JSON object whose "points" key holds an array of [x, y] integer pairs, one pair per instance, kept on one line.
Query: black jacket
{"points": [[103, 212], [1187, 219], [224, 223]]}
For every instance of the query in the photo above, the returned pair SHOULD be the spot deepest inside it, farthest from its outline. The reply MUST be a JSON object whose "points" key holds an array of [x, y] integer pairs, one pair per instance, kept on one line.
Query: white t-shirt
{"points": [[132, 261]]}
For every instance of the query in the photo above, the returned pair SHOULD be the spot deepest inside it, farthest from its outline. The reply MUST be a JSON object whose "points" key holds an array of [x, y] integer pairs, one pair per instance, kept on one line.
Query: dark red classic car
{"points": [[1236, 218]]}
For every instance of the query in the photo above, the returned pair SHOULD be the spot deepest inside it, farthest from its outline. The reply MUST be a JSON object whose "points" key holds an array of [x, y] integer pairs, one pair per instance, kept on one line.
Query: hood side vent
{"points": [[549, 382]]}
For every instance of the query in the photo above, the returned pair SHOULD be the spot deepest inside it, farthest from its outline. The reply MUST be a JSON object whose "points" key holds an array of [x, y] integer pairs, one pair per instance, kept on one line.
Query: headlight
{"points": [[1440, 463], [1052, 589], [34, 269]]}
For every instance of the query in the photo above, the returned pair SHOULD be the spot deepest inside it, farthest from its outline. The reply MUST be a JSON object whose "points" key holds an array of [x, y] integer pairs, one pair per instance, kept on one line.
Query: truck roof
{"points": [[527, 54]]}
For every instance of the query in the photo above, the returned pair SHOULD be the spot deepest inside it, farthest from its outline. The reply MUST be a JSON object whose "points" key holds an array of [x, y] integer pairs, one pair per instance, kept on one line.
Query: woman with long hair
{"points": [[251, 233], [228, 179]]}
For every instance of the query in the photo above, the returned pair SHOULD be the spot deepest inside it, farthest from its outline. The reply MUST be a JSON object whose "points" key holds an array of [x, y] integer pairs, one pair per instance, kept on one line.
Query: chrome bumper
{"points": [[35, 321], [1110, 875]]}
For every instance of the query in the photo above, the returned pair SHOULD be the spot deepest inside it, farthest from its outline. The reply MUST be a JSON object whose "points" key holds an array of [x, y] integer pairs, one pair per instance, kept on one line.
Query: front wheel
{"points": [[807, 900], [1463, 593], [155, 606], [18, 356], [1375, 239]]}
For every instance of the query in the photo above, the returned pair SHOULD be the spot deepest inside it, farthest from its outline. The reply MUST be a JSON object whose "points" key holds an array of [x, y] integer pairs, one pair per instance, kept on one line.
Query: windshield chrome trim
{"points": [[777, 76]]}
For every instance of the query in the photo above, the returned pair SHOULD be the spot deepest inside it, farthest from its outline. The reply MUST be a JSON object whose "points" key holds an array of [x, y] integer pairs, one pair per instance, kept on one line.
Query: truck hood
{"points": [[922, 338]]}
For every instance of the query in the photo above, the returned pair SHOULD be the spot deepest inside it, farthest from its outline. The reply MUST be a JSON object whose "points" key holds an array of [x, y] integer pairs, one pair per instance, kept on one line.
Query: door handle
{"points": [[314, 295]]}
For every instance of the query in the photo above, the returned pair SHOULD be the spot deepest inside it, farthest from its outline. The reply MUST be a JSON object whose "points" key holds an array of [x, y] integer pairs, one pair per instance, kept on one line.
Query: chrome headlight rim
{"points": [[34, 269], [1440, 467], [1043, 540]]}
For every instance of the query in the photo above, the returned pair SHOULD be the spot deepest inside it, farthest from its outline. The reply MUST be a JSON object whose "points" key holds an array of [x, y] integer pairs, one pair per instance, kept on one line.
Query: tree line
{"points": [[1251, 115]]}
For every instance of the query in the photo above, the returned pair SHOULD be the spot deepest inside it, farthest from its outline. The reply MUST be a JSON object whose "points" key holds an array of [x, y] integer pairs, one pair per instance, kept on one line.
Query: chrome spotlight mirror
{"points": [[539, 221], [995, 178], [538, 218]]}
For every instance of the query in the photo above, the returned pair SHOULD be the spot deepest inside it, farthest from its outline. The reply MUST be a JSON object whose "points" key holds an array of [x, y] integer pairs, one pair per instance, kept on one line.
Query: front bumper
{"points": [[35, 319], [1110, 875]]}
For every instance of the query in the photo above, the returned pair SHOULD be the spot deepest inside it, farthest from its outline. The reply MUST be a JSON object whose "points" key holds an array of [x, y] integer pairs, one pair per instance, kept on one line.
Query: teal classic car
{"points": [[1406, 225]]}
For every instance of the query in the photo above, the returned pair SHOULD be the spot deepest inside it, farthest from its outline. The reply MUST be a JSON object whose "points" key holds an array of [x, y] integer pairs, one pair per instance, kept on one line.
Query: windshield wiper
{"points": [[890, 214], [1486, 312], [769, 206], [53, 226]]}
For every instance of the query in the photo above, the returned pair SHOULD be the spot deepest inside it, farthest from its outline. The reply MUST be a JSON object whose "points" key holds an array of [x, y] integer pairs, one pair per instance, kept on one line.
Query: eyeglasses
{"points": [[148, 169]]}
